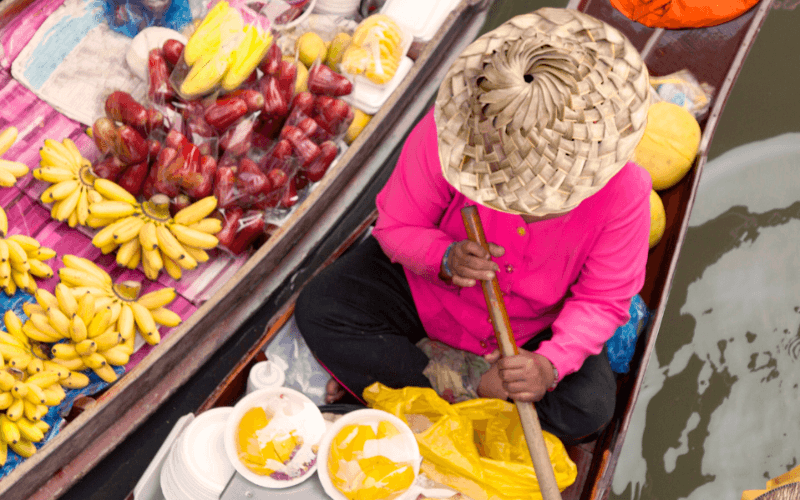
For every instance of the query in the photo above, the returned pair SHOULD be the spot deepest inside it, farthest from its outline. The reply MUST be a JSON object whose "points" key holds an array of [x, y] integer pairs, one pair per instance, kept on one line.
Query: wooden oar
{"points": [[508, 347]]}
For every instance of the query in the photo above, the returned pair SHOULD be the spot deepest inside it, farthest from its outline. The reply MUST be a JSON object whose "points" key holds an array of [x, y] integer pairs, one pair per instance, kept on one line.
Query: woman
{"points": [[568, 230]]}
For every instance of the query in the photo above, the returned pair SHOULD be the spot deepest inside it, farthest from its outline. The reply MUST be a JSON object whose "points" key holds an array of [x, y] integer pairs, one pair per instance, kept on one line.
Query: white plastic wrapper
{"points": [[303, 373]]}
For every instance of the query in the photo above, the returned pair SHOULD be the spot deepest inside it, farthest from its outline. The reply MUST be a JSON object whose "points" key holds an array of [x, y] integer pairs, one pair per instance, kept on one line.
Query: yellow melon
{"points": [[658, 218], [669, 145]]}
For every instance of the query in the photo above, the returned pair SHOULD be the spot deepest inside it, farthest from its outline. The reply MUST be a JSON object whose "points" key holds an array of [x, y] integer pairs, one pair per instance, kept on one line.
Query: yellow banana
{"points": [[5, 400], [28, 244], [3, 230], [172, 268], [35, 365], [3, 244], [10, 287], [22, 279], [206, 73], [126, 253], [56, 368], [23, 448], [61, 151], [75, 380], [126, 323], [208, 225], [152, 337], [107, 340], [117, 355], [106, 373], [59, 321], [164, 316], [19, 390], [43, 379], [7, 338], [197, 254], [3, 452], [169, 245], [86, 265], [249, 54], [66, 210], [193, 237], [77, 329], [94, 361], [143, 318], [73, 150], [147, 236], [114, 191], [197, 211], [97, 222], [35, 334], [53, 397], [80, 278], [9, 430], [116, 309], [112, 209], [86, 308], [17, 256], [152, 263], [30, 308], [9, 351], [40, 269], [199, 42], [86, 348], [72, 365], [44, 253], [53, 175], [21, 361], [7, 381], [105, 236], [99, 323], [7, 139], [82, 209], [65, 351], [35, 394], [60, 191], [7, 179], [29, 431], [66, 301], [15, 168], [157, 298]]}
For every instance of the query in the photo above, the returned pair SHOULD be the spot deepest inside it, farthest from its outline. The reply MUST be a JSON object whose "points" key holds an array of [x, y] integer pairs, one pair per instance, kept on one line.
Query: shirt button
{"points": [[489, 319], [483, 344], [521, 231], [509, 268]]}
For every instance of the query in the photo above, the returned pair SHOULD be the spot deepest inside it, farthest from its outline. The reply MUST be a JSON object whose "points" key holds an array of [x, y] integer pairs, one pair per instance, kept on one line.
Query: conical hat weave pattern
{"points": [[538, 114]]}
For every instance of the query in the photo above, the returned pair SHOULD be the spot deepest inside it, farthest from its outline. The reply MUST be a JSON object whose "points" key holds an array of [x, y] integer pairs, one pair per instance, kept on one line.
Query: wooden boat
{"points": [[715, 56], [107, 420]]}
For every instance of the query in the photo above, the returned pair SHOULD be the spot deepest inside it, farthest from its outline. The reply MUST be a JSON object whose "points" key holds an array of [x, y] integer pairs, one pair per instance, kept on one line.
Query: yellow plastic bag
{"points": [[476, 447]]}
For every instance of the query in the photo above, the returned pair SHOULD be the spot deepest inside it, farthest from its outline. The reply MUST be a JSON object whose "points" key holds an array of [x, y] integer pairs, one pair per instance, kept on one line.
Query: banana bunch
{"points": [[72, 179], [10, 171], [21, 260], [147, 233], [84, 336], [29, 385], [375, 50], [120, 305], [223, 50]]}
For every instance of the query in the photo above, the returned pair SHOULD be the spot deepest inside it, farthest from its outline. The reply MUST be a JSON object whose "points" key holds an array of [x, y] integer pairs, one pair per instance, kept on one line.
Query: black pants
{"points": [[358, 318]]}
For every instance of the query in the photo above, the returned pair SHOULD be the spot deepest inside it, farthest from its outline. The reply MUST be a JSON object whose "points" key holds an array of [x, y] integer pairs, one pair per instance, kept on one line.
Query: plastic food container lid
{"points": [[369, 96], [421, 18], [292, 409], [265, 374], [367, 416]]}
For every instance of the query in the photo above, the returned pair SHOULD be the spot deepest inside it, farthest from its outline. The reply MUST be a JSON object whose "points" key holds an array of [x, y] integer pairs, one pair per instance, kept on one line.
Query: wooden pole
{"points": [[508, 347]]}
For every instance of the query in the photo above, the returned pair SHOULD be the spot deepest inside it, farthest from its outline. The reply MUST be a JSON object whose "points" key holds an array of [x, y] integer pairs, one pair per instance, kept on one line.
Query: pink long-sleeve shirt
{"points": [[575, 273]]}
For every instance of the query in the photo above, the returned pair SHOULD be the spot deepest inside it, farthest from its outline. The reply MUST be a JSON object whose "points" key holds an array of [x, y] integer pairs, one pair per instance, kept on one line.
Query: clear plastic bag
{"points": [[683, 89], [303, 373], [129, 17], [622, 345]]}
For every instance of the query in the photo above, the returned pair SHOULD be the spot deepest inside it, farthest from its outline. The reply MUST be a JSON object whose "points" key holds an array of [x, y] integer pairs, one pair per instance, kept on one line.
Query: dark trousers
{"points": [[359, 319]]}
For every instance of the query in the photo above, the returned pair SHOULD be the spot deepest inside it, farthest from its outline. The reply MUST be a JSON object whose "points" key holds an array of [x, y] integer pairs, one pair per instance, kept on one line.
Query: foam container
{"points": [[420, 18]]}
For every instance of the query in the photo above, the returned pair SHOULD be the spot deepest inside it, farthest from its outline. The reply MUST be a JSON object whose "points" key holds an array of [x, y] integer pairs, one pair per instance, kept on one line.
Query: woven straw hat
{"points": [[540, 113]]}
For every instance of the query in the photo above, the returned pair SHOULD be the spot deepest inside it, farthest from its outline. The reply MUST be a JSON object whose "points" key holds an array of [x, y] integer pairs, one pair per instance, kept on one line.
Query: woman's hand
{"points": [[524, 377], [469, 262]]}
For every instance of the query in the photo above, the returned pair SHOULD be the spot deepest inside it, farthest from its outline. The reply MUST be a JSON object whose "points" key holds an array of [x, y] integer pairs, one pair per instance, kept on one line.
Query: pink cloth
{"points": [[575, 273]]}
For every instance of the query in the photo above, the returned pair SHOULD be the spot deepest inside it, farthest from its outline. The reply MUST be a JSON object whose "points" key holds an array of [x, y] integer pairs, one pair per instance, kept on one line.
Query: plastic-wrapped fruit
{"points": [[263, 458], [669, 145], [658, 218], [375, 49]]}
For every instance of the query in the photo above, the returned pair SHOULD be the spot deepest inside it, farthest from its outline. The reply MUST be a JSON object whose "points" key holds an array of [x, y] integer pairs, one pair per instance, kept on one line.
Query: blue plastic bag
{"points": [[623, 344], [129, 17]]}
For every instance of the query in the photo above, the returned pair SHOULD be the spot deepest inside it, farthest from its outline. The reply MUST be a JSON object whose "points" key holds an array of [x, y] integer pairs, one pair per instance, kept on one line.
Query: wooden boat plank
{"points": [[127, 404]]}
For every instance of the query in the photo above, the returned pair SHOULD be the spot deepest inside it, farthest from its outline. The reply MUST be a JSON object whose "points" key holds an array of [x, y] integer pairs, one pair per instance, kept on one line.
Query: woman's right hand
{"points": [[469, 262]]}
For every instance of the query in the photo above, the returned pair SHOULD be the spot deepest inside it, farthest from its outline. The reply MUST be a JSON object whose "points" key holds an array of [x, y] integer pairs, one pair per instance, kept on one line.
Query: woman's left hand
{"points": [[526, 376]]}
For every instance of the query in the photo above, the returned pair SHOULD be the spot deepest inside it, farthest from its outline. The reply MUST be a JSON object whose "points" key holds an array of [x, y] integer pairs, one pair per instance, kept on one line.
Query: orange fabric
{"points": [[676, 14]]}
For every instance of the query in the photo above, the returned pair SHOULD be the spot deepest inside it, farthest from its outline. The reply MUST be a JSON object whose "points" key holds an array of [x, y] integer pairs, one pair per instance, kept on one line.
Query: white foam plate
{"points": [[203, 451], [148, 486], [421, 18]]}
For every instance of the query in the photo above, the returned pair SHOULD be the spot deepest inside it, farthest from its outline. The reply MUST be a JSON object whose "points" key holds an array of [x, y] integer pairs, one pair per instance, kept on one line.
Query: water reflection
{"points": [[719, 410]]}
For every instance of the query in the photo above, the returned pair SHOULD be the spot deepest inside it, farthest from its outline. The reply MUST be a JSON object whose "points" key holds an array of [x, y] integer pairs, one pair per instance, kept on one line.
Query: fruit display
{"points": [[374, 50], [29, 386], [147, 233], [72, 179], [21, 260], [10, 171], [116, 307], [669, 145]]}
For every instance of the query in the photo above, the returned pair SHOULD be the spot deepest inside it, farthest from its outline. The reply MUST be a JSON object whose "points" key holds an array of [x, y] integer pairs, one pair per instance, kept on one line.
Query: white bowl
{"points": [[201, 452], [293, 410], [367, 416]]}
